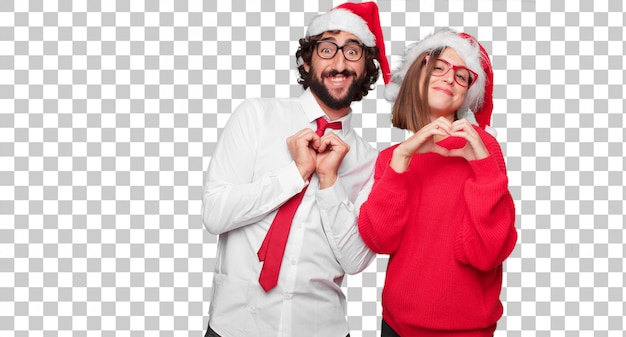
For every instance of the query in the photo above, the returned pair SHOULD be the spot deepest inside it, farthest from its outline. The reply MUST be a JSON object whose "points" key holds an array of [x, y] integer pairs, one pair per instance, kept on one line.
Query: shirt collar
{"points": [[313, 111]]}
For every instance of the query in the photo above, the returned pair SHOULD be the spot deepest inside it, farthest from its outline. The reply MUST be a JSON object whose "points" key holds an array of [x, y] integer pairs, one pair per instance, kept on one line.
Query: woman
{"points": [[440, 204]]}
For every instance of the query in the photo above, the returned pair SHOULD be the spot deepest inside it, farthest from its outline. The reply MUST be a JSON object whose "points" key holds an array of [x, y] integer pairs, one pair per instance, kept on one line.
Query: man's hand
{"points": [[330, 153], [303, 152]]}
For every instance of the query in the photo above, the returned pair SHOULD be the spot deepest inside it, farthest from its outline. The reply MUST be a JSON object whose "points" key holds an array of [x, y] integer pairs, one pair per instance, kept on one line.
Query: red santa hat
{"points": [[360, 19], [479, 99]]}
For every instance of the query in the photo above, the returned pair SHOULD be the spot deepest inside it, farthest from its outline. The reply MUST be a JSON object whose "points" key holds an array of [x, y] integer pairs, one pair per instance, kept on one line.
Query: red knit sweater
{"points": [[448, 225]]}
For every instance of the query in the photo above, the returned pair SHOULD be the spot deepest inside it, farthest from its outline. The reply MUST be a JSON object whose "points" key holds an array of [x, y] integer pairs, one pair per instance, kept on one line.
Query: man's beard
{"points": [[321, 91]]}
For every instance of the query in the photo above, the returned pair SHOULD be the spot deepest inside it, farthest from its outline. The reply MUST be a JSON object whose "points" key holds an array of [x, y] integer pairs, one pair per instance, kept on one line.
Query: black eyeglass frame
{"points": [[337, 48]]}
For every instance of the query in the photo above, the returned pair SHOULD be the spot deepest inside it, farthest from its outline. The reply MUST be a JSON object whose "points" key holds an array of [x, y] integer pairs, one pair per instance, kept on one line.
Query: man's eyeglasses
{"points": [[328, 50], [463, 76]]}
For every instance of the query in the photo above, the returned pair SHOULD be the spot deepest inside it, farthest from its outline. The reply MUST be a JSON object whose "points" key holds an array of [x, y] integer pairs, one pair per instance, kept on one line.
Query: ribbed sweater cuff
{"points": [[393, 180], [486, 168]]}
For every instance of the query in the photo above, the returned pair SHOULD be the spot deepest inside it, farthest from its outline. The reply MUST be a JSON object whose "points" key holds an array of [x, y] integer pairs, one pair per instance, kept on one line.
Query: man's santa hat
{"points": [[360, 19], [479, 99]]}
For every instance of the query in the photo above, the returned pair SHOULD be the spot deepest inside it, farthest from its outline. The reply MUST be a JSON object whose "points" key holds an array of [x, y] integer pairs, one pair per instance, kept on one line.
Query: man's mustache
{"points": [[332, 73]]}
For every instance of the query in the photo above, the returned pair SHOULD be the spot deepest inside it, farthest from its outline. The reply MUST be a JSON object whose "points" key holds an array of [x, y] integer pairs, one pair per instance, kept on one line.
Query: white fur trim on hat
{"points": [[344, 20], [445, 37], [467, 114], [491, 130]]}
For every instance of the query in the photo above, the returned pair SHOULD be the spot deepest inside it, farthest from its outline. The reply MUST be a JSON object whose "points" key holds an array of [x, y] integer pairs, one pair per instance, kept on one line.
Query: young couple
{"points": [[298, 199]]}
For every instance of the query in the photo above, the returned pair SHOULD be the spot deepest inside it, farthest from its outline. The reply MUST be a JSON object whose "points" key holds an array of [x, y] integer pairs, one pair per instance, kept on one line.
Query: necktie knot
{"points": [[323, 124]]}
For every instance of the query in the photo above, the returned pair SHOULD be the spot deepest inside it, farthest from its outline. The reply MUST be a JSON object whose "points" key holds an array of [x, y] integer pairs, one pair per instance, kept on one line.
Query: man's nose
{"points": [[339, 60]]}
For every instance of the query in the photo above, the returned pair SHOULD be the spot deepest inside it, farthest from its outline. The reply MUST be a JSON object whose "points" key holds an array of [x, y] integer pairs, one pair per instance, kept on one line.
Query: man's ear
{"points": [[307, 67]]}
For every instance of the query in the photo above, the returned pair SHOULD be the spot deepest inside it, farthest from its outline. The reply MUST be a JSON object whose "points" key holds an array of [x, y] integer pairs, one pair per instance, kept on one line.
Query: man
{"points": [[278, 273]]}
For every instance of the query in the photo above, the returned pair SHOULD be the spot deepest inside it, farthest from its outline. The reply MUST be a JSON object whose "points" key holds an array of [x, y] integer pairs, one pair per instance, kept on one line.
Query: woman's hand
{"points": [[475, 149], [425, 141], [421, 142]]}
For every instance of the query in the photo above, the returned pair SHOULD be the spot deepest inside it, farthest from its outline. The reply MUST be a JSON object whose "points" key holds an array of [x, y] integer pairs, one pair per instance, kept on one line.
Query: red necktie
{"points": [[273, 246]]}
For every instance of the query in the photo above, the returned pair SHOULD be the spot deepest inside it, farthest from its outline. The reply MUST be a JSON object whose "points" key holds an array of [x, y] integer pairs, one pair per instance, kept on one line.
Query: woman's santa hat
{"points": [[360, 19], [479, 99]]}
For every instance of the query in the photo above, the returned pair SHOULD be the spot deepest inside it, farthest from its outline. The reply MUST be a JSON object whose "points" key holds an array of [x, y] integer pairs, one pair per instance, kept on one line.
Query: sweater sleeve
{"points": [[383, 216], [487, 236]]}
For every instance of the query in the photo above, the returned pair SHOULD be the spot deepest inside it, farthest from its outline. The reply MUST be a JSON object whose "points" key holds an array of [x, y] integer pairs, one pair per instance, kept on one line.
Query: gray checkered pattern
{"points": [[110, 111]]}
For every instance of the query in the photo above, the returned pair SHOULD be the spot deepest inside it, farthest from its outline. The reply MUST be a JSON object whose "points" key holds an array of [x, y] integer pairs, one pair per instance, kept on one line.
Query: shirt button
{"points": [[288, 296], [293, 262]]}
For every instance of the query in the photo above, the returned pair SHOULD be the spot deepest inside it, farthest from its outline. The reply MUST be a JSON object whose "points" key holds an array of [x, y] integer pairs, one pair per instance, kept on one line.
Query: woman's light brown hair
{"points": [[410, 110]]}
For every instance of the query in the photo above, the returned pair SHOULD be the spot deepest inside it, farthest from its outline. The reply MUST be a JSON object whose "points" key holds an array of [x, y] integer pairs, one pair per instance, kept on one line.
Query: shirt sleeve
{"points": [[339, 219], [487, 236], [232, 196]]}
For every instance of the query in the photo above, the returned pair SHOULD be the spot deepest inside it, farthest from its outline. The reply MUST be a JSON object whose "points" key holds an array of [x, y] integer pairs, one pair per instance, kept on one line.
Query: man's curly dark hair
{"points": [[305, 53]]}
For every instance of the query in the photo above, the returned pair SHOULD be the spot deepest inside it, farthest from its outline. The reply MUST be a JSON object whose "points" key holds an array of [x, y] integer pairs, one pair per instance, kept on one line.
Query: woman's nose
{"points": [[449, 76]]}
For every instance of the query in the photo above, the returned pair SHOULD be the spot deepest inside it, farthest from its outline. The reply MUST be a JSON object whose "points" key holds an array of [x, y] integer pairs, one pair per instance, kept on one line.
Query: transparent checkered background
{"points": [[110, 111]]}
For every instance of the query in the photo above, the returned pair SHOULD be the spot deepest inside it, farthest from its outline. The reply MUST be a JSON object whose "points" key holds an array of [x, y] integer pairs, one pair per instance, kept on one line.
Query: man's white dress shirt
{"points": [[250, 175]]}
